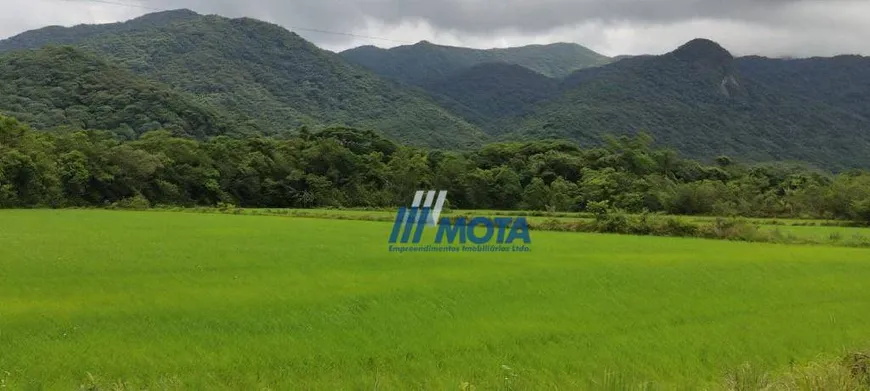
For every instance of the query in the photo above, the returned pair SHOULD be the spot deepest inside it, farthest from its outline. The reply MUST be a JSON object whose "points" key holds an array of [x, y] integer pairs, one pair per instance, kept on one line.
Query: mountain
{"points": [[62, 86], [207, 75], [843, 81], [697, 100], [58, 35], [259, 70], [486, 93], [425, 62]]}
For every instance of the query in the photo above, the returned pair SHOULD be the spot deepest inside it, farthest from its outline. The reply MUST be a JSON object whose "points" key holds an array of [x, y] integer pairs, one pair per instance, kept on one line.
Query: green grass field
{"points": [[834, 234], [210, 301], [829, 232]]}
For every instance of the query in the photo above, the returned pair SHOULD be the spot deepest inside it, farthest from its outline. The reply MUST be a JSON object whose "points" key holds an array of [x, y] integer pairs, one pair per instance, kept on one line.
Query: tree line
{"points": [[344, 167]]}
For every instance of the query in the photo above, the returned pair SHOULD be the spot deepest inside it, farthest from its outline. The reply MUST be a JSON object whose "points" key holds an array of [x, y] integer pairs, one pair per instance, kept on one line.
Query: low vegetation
{"points": [[850, 373], [320, 304], [614, 222]]}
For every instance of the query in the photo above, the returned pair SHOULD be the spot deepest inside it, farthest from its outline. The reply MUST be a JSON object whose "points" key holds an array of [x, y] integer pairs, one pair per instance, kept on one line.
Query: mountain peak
{"points": [[165, 17], [59, 35], [703, 51], [174, 13]]}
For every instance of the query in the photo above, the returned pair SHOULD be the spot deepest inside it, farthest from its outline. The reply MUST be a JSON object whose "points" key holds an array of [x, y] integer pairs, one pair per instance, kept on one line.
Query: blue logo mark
{"points": [[477, 234]]}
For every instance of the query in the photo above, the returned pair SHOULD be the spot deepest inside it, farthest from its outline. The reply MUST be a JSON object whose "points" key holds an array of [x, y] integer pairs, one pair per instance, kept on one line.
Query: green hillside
{"points": [[59, 35], [696, 100], [491, 92], [260, 70], [66, 87], [843, 81], [425, 62]]}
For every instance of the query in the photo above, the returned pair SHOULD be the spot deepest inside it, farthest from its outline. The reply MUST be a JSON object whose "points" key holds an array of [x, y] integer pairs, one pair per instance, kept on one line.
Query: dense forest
{"points": [[66, 87], [344, 167]]}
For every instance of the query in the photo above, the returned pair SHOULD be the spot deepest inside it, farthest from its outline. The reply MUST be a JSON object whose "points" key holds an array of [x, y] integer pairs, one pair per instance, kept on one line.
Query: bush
{"points": [[614, 221], [137, 202], [677, 227], [618, 221], [857, 240], [598, 208], [562, 226], [227, 207], [733, 229]]}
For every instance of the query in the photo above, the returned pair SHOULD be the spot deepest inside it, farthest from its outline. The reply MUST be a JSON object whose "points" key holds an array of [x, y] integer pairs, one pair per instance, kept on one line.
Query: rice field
{"points": [[163, 300], [826, 232]]}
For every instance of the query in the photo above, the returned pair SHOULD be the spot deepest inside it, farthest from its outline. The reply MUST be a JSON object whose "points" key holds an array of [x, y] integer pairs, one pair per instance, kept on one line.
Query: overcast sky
{"points": [[767, 27]]}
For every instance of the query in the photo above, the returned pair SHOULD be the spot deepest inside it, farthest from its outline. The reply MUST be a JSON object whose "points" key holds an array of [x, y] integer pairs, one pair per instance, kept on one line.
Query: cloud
{"points": [[769, 27], [25, 15]]}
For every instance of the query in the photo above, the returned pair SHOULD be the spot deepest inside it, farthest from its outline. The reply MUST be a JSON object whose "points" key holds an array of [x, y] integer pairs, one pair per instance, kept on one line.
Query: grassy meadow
{"points": [[162, 300], [796, 231]]}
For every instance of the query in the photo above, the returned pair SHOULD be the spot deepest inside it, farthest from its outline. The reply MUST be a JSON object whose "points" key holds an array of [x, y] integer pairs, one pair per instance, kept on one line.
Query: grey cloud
{"points": [[481, 19], [536, 16], [775, 27], [327, 15], [483, 16]]}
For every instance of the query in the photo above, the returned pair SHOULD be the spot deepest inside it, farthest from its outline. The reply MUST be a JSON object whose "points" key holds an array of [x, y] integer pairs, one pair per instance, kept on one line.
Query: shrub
{"points": [[618, 221], [733, 229], [137, 202], [226, 207], [598, 208], [613, 221], [857, 240], [677, 227]]}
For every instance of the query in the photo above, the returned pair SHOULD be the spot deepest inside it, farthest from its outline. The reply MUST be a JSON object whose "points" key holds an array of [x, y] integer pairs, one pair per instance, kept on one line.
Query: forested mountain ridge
{"points": [[843, 81], [67, 87], [425, 62], [59, 35], [490, 92], [262, 71], [698, 100]]}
